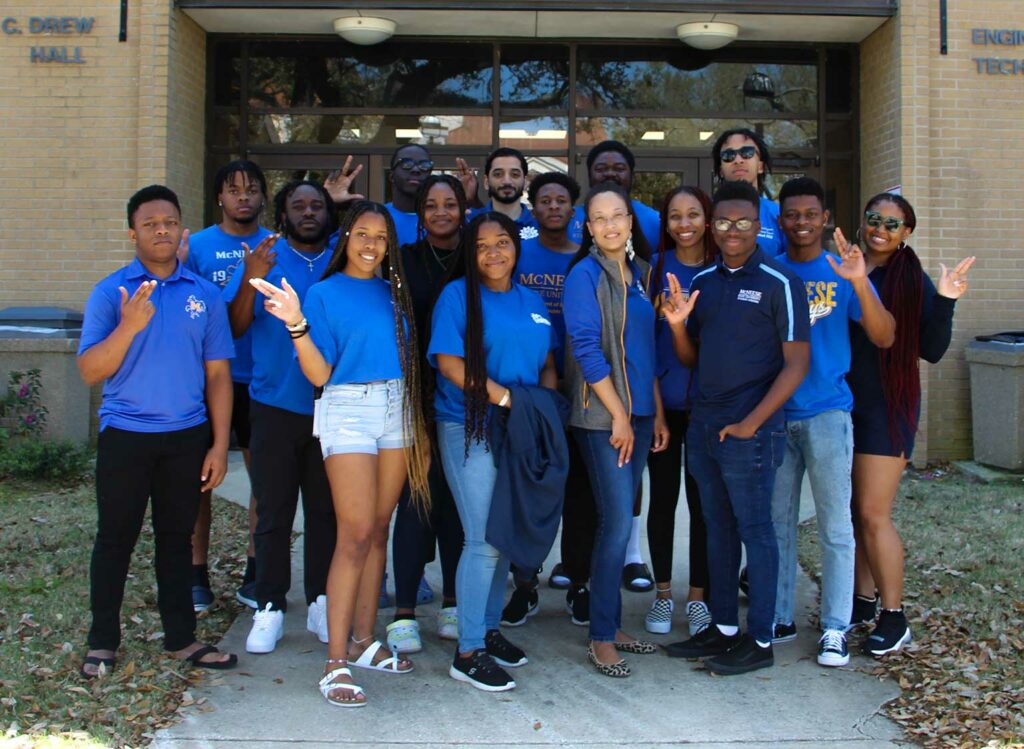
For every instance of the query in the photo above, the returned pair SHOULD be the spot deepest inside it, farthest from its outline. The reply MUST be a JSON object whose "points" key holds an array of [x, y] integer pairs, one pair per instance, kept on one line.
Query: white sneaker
{"points": [[448, 623], [659, 618], [316, 618], [267, 629]]}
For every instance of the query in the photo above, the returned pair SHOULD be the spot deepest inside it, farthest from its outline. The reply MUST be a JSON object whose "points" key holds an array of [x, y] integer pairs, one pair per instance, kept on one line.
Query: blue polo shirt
{"points": [[832, 303], [649, 221], [161, 384], [405, 225], [770, 238], [517, 339], [544, 271], [675, 379], [741, 320], [526, 222], [277, 379], [215, 255]]}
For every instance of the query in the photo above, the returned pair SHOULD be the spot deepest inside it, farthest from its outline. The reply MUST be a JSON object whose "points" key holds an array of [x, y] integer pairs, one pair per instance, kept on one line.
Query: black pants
{"points": [[286, 457], [665, 469], [131, 468], [415, 537], [579, 519]]}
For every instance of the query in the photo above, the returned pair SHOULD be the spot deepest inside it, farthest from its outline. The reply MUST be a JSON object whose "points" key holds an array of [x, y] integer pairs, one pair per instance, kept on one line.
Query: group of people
{"points": [[483, 373]]}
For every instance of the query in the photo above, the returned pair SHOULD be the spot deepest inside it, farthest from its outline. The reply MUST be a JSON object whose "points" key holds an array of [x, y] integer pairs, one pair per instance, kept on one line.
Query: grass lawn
{"points": [[46, 536], [963, 676]]}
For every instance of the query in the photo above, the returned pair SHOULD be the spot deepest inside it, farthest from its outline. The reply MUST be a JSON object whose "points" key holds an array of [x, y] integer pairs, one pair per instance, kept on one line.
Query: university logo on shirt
{"points": [[821, 298], [194, 307], [540, 319], [747, 295], [529, 232]]}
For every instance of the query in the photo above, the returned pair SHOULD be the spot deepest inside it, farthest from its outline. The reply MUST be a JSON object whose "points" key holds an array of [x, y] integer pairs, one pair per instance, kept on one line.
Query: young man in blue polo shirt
{"points": [[819, 432], [745, 328], [157, 336], [214, 254], [286, 457]]}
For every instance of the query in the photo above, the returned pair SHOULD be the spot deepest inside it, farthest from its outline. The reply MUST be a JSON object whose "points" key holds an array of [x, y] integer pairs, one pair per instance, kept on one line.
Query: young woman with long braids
{"points": [[686, 247], [488, 333], [616, 406], [886, 388], [354, 336], [440, 207]]}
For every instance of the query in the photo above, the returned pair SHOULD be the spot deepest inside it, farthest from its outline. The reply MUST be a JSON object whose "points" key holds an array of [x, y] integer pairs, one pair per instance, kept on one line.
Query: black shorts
{"points": [[240, 415], [871, 433]]}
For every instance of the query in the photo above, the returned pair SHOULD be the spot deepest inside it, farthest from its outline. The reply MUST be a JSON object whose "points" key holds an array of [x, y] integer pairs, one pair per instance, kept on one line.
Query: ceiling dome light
{"points": [[707, 34], [364, 30]]}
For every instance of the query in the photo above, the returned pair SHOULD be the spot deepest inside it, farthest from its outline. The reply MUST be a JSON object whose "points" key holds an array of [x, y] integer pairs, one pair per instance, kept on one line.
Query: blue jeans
{"points": [[736, 479], [483, 570], [823, 445], [614, 493]]}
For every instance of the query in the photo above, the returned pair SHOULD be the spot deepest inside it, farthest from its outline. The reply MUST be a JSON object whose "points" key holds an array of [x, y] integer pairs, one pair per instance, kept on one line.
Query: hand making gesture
{"points": [[259, 261], [137, 311], [183, 247], [853, 265], [678, 305], [468, 179], [953, 283], [339, 183], [282, 303]]}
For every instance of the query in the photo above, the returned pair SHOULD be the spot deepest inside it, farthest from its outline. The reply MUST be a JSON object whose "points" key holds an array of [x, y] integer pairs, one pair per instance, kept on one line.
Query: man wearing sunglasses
{"points": [[410, 165], [741, 154]]}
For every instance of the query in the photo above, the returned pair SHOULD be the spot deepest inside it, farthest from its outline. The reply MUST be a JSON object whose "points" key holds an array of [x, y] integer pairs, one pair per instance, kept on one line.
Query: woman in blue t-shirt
{"points": [[616, 406], [487, 334], [687, 247], [361, 348]]}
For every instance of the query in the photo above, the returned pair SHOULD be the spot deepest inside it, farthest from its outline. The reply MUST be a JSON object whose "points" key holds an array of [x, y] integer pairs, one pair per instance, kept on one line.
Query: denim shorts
{"points": [[360, 418]]}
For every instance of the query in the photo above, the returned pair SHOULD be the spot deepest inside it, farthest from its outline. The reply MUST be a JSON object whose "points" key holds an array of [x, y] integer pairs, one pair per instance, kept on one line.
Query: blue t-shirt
{"points": [[277, 379], [770, 238], [161, 384], [215, 255], [352, 323], [405, 225], [674, 378], [649, 221], [832, 303], [528, 228], [544, 271], [517, 338], [583, 324]]}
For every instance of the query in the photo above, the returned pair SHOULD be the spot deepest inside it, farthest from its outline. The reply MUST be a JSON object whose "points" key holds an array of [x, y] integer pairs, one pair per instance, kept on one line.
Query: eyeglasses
{"points": [[729, 154], [741, 224], [615, 218], [874, 219], [425, 165]]}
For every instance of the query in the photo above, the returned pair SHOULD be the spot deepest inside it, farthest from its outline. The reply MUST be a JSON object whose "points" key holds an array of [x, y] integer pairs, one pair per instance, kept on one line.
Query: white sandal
{"points": [[388, 665], [327, 686]]}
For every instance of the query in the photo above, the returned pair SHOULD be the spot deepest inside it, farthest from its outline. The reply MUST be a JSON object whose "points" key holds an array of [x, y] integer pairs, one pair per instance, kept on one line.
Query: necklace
{"points": [[307, 260], [438, 258]]}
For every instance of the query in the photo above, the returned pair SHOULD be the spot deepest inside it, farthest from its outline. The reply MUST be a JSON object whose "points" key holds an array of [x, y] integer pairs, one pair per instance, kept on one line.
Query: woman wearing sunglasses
{"points": [[741, 154], [886, 389]]}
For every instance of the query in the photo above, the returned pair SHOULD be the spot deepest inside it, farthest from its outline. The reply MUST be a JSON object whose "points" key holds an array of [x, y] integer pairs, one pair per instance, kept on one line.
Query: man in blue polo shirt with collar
{"points": [[286, 457], [745, 328], [157, 336], [505, 181]]}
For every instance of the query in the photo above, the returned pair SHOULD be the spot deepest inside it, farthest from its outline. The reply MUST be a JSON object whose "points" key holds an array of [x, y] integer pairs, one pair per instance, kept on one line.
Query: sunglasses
{"points": [[723, 224], [874, 219], [424, 164], [747, 152]]}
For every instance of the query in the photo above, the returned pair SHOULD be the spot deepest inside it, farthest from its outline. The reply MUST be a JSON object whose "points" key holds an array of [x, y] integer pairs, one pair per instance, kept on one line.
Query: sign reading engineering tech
{"points": [[1001, 39], [51, 26]]}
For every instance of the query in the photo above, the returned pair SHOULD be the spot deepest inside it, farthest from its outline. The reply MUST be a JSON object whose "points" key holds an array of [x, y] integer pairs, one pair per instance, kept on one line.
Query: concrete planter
{"points": [[64, 394], [997, 402]]}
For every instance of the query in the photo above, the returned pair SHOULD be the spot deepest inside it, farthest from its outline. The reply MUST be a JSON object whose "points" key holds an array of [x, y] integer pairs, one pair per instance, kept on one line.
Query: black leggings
{"points": [[579, 519], [665, 469]]}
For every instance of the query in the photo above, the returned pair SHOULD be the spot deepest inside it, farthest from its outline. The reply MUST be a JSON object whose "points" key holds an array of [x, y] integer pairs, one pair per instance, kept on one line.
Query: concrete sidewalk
{"points": [[272, 700]]}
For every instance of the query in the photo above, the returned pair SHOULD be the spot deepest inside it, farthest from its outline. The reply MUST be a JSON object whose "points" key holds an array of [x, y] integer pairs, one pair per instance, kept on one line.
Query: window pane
{"points": [[839, 82], [384, 130], [336, 74], [678, 79], [693, 132], [224, 130], [535, 76], [534, 134], [227, 74]]}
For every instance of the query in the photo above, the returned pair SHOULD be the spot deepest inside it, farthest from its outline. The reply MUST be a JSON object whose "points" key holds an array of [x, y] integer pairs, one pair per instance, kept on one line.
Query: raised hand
{"points": [[853, 265], [339, 183], [468, 179], [137, 311], [258, 262], [183, 247], [678, 305], [282, 303], [953, 283]]}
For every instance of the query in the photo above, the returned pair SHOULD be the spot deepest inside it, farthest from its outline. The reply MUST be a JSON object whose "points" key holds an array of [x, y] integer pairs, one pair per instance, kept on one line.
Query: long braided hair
{"points": [[902, 293], [413, 422], [666, 243], [474, 389]]}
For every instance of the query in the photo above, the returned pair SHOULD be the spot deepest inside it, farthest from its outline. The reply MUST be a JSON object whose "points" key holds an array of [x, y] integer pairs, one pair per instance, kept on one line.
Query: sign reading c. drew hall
{"points": [[50, 26]]}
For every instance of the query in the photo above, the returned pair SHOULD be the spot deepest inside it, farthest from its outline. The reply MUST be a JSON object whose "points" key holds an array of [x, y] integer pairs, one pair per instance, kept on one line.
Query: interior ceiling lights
{"points": [[707, 34]]}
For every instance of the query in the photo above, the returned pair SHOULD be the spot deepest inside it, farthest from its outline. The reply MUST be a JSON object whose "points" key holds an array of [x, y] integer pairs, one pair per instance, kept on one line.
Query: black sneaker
{"points": [[502, 651], [746, 656], [744, 582], [783, 632], [709, 642], [889, 636], [523, 604], [481, 671], [864, 611], [577, 604], [559, 580]]}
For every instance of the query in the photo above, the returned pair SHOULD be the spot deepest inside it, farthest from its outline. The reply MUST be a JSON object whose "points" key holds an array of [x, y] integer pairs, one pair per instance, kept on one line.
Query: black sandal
{"points": [[196, 659], [95, 660]]}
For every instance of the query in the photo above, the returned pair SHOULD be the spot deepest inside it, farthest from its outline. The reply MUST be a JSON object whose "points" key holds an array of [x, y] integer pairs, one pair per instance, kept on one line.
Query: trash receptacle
{"points": [[46, 338], [997, 399]]}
